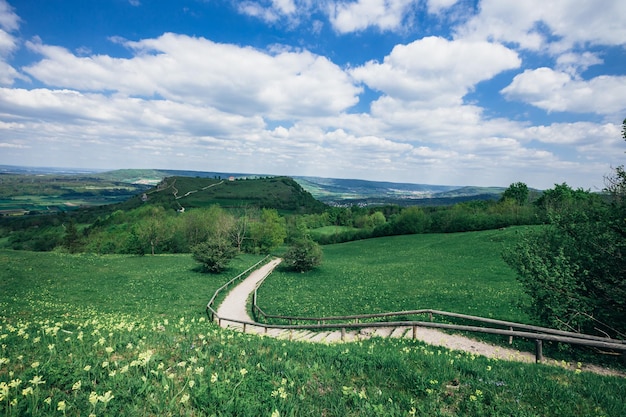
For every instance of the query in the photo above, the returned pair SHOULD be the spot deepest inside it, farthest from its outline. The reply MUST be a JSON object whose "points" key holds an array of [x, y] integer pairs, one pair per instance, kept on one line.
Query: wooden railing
{"points": [[343, 323]]}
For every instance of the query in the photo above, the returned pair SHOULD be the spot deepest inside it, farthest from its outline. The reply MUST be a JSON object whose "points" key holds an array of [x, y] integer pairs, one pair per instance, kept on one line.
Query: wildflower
{"points": [[80, 336], [4, 361], [37, 380], [243, 371], [102, 341], [93, 398], [34, 365], [61, 406], [124, 369], [105, 364], [77, 385], [489, 368], [479, 393], [166, 388], [27, 391], [87, 368], [275, 413], [51, 346], [37, 339], [473, 398], [112, 373], [199, 370], [109, 349], [48, 400], [214, 378], [106, 397], [192, 383], [184, 399], [181, 364], [4, 390], [15, 383]]}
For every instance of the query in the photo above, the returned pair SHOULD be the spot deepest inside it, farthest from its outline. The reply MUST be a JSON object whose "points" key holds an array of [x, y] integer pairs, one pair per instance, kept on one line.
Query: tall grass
{"points": [[117, 335]]}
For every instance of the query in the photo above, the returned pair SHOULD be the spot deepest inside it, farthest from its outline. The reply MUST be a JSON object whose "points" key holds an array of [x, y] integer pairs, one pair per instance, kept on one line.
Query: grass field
{"points": [[84, 335], [459, 272]]}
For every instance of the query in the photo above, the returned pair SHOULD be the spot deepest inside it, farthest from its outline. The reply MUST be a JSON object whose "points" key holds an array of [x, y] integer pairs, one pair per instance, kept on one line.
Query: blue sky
{"points": [[455, 92]]}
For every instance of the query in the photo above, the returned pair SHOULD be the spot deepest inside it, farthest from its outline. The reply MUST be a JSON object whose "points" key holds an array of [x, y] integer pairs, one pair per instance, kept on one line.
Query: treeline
{"points": [[146, 228]]}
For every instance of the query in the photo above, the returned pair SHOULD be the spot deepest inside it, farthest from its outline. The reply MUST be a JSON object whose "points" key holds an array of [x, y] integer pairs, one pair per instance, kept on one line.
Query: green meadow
{"points": [[87, 335], [456, 272]]}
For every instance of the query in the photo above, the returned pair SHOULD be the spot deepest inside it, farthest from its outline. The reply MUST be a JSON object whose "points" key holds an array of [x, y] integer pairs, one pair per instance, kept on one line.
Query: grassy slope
{"points": [[459, 272], [87, 324]]}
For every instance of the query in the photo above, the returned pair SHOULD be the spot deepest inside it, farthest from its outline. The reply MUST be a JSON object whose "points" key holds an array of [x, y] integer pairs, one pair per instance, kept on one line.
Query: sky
{"points": [[444, 92]]}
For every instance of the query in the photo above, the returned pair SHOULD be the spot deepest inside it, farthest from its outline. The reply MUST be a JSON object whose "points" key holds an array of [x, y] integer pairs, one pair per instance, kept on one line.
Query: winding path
{"points": [[235, 307]]}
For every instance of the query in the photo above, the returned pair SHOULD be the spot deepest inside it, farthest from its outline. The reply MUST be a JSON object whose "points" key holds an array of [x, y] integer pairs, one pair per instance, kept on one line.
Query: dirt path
{"points": [[235, 307]]}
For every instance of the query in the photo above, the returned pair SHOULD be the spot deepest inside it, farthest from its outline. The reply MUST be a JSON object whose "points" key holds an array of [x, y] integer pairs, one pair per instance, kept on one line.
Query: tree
{"points": [[269, 232], [303, 255], [574, 268], [517, 192], [214, 255], [71, 239]]}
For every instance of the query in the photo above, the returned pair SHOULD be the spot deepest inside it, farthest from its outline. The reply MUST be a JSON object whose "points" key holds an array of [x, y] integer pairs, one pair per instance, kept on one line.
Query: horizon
{"points": [[475, 92]]}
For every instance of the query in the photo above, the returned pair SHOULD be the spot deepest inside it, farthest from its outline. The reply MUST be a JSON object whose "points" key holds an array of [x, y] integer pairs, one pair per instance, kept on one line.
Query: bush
{"points": [[303, 255], [214, 255]]}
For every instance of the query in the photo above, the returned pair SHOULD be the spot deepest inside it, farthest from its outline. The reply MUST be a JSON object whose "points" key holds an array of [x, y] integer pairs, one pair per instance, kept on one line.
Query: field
{"points": [[89, 335], [457, 272]]}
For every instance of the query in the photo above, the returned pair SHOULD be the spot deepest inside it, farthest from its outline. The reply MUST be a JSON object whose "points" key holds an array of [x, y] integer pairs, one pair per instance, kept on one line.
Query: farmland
{"points": [[105, 335]]}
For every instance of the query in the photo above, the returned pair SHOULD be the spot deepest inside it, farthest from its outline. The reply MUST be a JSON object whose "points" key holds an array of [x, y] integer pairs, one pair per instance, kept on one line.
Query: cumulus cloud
{"points": [[558, 27], [558, 91], [9, 22], [437, 6], [199, 71], [436, 71], [386, 15]]}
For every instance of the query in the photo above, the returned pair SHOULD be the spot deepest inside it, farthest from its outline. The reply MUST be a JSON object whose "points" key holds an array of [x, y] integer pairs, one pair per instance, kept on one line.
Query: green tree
{"points": [[517, 192], [71, 239], [214, 255], [269, 232], [574, 268], [303, 255]]}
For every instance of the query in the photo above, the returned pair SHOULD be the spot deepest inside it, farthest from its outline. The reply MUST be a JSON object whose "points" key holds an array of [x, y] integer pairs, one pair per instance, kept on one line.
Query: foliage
{"points": [[303, 255], [573, 270], [71, 240], [214, 254], [269, 232], [517, 192]]}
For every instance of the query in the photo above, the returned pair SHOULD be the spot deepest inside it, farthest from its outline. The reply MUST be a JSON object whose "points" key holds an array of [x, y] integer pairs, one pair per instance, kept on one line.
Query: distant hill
{"points": [[281, 193], [348, 191], [331, 191]]}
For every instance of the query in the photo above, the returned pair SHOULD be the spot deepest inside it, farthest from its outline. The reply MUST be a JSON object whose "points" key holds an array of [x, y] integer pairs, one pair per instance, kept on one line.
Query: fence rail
{"points": [[343, 323]]}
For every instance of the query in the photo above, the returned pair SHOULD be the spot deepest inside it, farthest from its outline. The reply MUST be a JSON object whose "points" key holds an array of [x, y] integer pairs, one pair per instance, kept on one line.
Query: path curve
{"points": [[235, 307]]}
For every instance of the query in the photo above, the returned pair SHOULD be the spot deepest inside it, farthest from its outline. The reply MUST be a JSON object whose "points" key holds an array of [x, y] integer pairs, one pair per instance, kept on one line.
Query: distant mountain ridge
{"points": [[333, 191]]}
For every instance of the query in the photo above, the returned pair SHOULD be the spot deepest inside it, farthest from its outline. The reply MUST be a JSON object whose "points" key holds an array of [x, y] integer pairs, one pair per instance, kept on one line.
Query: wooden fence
{"points": [[362, 321]]}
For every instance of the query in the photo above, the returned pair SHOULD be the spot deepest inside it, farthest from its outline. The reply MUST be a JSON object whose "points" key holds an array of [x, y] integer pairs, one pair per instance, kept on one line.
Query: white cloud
{"points": [[9, 21], [202, 72], [557, 91], [436, 71], [558, 26], [576, 63], [437, 6], [386, 15]]}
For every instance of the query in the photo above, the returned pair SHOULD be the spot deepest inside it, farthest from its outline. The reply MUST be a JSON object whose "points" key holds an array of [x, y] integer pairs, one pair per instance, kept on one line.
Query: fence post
{"points": [[538, 350], [511, 337], [343, 334], [414, 332], [430, 316], [244, 327]]}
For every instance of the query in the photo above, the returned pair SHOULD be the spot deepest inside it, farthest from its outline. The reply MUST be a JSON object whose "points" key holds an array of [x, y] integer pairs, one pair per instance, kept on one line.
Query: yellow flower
{"points": [[61, 406], [192, 383], [4, 390], [473, 398], [34, 365], [51, 346], [37, 380], [109, 349], [214, 377], [275, 413], [184, 398], [105, 364], [243, 371], [77, 385], [87, 368], [27, 391], [15, 383], [106, 397], [48, 400], [93, 398], [124, 369]]}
